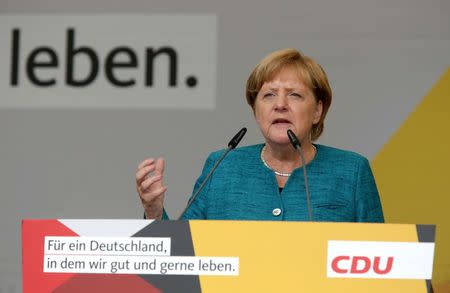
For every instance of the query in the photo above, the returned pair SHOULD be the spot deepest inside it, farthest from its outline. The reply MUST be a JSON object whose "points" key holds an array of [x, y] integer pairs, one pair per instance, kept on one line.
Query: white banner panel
{"points": [[380, 260], [108, 61]]}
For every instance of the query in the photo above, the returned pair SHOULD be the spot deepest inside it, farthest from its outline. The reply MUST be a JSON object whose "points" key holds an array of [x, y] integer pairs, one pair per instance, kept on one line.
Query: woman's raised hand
{"points": [[150, 187]]}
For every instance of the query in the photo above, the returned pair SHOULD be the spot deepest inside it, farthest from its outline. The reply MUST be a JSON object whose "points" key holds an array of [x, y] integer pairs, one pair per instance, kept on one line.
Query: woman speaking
{"points": [[286, 91]]}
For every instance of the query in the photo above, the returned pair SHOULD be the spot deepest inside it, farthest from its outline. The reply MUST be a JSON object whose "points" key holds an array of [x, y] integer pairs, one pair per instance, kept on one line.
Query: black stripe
{"points": [[181, 245], [429, 286], [426, 233]]}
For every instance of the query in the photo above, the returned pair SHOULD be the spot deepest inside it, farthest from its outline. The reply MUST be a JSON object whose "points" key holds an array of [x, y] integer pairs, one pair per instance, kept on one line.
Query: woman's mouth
{"points": [[281, 122]]}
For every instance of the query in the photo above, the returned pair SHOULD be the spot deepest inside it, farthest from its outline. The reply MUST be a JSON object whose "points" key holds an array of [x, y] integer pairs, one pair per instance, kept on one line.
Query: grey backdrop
{"points": [[381, 56]]}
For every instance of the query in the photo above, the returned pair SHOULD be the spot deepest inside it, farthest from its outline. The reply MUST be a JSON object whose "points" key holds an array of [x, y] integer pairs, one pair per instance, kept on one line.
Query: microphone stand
{"points": [[231, 145], [296, 144]]}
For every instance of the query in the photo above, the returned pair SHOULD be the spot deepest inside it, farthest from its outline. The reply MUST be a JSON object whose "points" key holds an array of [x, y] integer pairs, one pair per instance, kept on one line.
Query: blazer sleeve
{"points": [[367, 200]]}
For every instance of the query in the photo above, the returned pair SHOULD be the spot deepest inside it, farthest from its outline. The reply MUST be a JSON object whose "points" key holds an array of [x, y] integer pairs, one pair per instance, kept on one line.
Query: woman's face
{"points": [[283, 103]]}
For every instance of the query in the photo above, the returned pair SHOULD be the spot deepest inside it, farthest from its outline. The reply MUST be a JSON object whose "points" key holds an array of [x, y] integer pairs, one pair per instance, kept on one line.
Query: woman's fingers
{"points": [[149, 185], [159, 166], [147, 166], [151, 196], [149, 181], [146, 162], [143, 172]]}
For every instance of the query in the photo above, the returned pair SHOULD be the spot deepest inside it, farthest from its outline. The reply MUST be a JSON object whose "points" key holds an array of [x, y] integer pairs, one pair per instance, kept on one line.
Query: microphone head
{"points": [[237, 138], [293, 138]]}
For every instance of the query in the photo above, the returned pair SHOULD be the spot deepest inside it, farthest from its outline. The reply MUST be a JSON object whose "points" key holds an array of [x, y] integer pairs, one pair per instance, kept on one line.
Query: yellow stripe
{"points": [[291, 256], [412, 171]]}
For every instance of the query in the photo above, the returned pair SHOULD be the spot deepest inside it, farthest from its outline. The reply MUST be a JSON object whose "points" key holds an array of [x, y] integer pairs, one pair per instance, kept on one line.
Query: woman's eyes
{"points": [[271, 94]]}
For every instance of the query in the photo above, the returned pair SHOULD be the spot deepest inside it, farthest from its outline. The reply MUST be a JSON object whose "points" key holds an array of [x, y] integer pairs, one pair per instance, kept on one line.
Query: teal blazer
{"points": [[341, 185]]}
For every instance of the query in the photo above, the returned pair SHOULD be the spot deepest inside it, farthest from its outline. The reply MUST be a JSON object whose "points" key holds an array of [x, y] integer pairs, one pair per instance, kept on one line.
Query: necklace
{"points": [[273, 170]]}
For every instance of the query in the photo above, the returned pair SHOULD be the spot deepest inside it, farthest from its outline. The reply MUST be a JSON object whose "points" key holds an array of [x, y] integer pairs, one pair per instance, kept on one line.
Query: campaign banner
{"points": [[224, 256]]}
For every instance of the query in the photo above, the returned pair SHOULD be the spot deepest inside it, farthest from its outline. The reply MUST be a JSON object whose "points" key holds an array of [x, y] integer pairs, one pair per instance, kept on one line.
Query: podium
{"points": [[225, 256]]}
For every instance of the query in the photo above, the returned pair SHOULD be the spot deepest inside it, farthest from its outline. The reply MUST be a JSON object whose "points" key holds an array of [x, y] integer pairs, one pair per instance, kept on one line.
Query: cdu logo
{"points": [[345, 264], [379, 259], [108, 61]]}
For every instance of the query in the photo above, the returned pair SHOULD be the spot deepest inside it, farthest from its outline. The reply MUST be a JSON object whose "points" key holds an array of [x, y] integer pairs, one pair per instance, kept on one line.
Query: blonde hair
{"points": [[309, 71]]}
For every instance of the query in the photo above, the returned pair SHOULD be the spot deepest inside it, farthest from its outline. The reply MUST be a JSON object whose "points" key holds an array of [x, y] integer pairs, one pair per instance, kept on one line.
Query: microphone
{"points": [[231, 145], [297, 146], [237, 138]]}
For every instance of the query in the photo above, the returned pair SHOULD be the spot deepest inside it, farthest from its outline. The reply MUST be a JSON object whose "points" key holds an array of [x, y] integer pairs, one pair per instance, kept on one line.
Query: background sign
{"points": [[96, 61]]}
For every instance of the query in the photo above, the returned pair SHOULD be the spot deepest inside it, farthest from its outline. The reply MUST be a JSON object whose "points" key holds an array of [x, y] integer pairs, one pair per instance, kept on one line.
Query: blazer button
{"points": [[276, 212]]}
